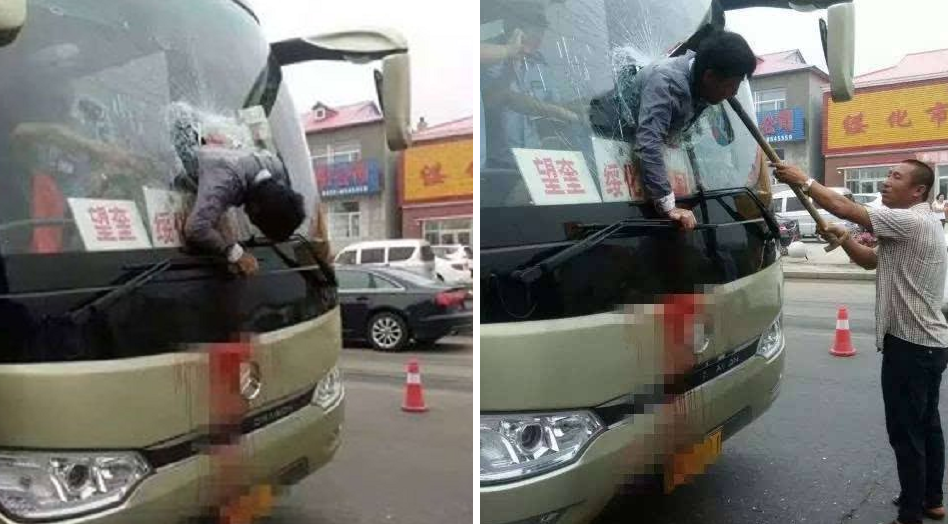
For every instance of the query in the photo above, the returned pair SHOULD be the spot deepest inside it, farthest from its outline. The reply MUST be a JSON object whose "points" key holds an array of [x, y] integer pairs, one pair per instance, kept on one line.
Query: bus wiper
{"points": [[533, 273], [81, 314]]}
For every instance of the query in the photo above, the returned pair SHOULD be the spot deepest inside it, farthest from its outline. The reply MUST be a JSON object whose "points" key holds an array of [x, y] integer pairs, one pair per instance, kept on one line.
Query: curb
{"points": [[434, 381], [828, 275]]}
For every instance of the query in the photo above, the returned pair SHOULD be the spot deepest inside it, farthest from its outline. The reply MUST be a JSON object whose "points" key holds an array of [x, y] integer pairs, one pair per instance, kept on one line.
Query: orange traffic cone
{"points": [[843, 345], [414, 396]]}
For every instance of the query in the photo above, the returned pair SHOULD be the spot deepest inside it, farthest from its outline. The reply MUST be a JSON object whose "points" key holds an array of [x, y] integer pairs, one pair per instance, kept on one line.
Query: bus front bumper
{"points": [[278, 454], [621, 456]]}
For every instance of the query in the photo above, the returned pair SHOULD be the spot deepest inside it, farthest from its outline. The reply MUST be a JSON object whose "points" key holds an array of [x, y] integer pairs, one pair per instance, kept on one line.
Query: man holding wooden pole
{"points": [[911, 330]]}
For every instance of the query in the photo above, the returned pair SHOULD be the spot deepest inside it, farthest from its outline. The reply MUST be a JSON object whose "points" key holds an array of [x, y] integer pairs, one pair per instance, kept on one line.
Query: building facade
{"points": [[897, 113], [437, 184], [355, 171], [788, 100]]}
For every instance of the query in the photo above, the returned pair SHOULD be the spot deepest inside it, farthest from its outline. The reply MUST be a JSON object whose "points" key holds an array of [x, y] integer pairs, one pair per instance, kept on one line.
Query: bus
{"points": [[126, 360], [617, 352]]}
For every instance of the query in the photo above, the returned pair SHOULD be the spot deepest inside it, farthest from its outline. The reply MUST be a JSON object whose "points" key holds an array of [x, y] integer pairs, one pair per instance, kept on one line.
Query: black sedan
{"points": [[390, 308]]}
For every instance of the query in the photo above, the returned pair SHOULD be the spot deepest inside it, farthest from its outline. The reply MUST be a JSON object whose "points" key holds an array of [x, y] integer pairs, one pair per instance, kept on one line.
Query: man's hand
{"points": [[834, 234], [789, 174], [246, 265], [684, 217], [514, 46]]}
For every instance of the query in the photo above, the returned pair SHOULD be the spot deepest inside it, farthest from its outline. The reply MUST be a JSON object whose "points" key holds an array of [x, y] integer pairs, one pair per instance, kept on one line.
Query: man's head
{"points": [[722, 62], [908, 183], [530, 18], [275, 209]]}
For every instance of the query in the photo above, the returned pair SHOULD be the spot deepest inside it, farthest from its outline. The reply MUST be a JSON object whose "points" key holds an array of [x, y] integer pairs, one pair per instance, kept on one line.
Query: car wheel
{"points": [[388, 332]]}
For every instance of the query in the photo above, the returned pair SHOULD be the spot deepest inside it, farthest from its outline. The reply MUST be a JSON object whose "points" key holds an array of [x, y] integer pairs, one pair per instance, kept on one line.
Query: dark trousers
{"points": [[911, 377]]}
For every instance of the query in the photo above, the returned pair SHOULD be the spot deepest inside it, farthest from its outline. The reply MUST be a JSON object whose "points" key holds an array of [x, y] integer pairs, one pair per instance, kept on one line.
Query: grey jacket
{"points": [[660, 103], [224, 179]]}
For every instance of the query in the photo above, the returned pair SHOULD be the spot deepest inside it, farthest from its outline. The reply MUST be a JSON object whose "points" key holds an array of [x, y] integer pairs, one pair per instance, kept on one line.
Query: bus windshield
{"points": [[551, 126], [92, 94]]}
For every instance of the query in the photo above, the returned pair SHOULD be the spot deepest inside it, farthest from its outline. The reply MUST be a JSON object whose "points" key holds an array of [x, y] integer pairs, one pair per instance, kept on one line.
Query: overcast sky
{"points": [[886, 30], [442, 37]]}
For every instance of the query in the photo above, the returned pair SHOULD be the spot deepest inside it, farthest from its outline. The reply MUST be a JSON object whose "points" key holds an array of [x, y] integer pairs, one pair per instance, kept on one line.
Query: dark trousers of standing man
{"points": [[911, 377]]}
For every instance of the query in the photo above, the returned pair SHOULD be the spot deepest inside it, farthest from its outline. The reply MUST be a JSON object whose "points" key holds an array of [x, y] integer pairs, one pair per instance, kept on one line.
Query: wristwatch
{"points": [[234, 253], [806, 186]]}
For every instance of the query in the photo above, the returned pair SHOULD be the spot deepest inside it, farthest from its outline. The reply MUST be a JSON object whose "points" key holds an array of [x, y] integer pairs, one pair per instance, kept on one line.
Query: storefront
{"points": [[889, 120], [437, 184]]}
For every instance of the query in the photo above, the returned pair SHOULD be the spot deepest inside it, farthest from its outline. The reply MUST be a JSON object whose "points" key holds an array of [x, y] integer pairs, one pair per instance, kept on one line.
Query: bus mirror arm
{"points": [[12, 19]]}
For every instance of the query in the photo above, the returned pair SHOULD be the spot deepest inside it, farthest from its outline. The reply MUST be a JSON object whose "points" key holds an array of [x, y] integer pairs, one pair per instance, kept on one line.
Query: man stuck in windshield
{"points": [[229, 178], [666, 97]]}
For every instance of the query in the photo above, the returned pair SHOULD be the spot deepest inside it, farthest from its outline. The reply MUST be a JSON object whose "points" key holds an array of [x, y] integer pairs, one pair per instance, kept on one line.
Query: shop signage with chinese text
{"points": [[362, 177], [443, 171], [913, 115]]}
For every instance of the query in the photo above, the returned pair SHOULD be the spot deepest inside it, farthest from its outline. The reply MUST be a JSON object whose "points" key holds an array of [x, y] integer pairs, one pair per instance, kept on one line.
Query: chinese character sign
{"points": [[167, 214], [361, 177], [438, 171], [616, 170], [107, 225], [915, 115], [783, 125], [556, 177]]}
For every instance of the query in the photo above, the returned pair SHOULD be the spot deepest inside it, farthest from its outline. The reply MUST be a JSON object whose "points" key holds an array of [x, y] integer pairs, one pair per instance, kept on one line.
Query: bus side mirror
{"points": [[360, 46], [839, 46], [394, 91], [12, 18]]}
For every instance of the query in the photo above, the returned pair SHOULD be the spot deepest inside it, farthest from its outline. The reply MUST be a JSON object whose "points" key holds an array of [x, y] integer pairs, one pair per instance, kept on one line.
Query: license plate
{"points": [[685, 466]]}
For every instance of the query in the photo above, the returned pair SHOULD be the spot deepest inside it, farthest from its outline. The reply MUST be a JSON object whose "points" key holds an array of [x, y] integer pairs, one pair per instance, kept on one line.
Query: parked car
{"points": [[789, 232], [391, 308], [787, 205], [873, 200], [455, 252], [413, 255], [454, 272]]}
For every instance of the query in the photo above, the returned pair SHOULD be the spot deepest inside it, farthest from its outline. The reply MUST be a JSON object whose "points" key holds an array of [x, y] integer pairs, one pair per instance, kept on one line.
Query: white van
{"points": [[413, 255], [787, 205]]}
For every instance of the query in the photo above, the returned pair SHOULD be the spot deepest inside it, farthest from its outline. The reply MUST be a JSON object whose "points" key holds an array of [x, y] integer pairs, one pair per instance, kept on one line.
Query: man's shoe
{"points": [[936, 513]]}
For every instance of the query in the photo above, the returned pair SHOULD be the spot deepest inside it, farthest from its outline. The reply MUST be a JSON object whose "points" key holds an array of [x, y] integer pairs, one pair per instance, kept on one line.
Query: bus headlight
{"points": [[521, 445], [329, 389], [60, 485], [771, 342]]}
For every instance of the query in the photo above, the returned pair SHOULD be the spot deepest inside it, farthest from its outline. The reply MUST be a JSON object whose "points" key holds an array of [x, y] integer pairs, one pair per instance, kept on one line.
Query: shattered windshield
{"points": [[558, 86], [100, 103]]}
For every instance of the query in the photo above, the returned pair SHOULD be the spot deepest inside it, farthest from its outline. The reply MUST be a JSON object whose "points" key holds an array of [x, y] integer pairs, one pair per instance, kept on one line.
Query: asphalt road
{"points": [[820, 454], [396, 467]]}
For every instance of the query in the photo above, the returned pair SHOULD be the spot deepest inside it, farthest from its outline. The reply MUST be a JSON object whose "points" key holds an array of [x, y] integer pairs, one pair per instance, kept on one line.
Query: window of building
{"points": [[336, 153], [375, 255], [319, 113], [398, 254], [344, 220], [865, 179], [942, 173], [448, 231], [770, 99]]}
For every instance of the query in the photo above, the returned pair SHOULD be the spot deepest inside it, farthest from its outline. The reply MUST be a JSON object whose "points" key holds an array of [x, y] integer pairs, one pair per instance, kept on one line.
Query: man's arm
{"points": [[830, 200], [654, 118], [214, 197], [864, 256]]}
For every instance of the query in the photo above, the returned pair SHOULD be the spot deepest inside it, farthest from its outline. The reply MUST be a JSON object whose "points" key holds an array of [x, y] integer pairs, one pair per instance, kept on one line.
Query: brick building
{"points": [[437, 183], [898, 112]]}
